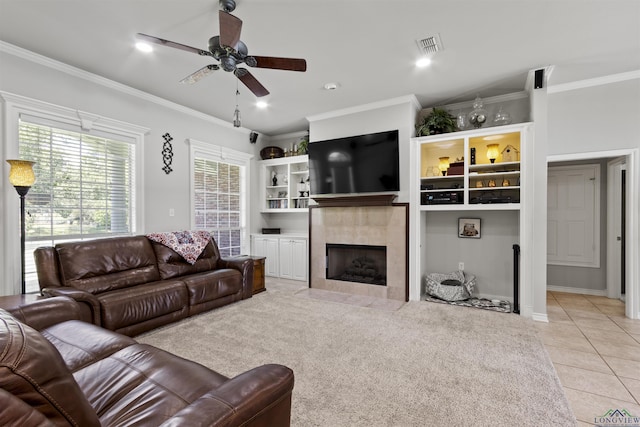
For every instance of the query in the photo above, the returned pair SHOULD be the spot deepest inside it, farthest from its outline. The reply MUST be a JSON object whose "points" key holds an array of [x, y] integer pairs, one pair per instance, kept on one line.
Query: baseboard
{"points": [[566, 289], [540, 317]]}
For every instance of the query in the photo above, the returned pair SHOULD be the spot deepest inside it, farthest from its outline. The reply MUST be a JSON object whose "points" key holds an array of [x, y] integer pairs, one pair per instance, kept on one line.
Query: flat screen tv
{"points": [[355, 164]]}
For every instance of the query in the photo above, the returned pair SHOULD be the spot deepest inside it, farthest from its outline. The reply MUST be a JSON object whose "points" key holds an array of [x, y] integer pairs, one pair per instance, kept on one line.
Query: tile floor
{"points": [[596, 352]]}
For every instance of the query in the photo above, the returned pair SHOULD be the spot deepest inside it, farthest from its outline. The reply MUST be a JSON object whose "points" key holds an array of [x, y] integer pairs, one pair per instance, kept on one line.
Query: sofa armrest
{"points": [[46, 260], [259, 397], [89, 304], [244, 264], [46, 312]]}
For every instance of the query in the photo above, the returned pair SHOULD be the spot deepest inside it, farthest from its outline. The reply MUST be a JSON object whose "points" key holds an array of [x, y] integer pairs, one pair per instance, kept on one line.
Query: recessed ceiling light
{"points": [[144, 47], [423, 62], [331, 86], [262, 104]]}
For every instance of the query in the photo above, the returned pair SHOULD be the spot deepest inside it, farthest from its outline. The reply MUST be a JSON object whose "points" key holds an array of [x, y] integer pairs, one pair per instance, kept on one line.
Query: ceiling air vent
{"points": [[430, 44]]}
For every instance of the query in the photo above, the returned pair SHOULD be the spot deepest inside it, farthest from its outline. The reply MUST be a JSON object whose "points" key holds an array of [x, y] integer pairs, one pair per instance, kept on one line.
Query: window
{"points": [[84, 188], [87, 179], [219, 179]]}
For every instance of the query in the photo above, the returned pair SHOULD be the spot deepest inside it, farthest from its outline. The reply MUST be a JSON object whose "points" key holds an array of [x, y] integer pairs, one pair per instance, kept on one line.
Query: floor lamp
{"points": [[21, 176]]}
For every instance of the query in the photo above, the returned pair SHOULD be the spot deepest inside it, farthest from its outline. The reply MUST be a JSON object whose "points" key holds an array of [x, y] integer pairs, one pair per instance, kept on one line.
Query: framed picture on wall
{"points": [[469, 228]]}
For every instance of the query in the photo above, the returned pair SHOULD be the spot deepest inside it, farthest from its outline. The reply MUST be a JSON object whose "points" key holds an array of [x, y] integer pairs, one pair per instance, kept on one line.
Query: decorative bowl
{"points": [[271, 153]]}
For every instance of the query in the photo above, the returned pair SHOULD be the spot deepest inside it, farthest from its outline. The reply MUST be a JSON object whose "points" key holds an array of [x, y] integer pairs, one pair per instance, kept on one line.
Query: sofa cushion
{"points": [[171, 264], [32, 370], [151, 383], [140, 303], [212, 285], [103, 265], [82, 343]]}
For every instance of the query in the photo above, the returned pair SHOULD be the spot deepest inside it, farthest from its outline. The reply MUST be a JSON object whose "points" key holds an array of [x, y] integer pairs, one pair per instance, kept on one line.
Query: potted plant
{"points": [[303, 145], [437, 121]]}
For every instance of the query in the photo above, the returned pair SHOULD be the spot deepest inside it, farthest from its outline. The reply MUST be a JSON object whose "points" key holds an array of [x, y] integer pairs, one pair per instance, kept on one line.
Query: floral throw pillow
{"points": [[188, 244]]}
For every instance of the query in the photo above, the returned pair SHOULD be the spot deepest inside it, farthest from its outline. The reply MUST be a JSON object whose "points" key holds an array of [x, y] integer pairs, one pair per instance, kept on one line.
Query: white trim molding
{"points": [[598, 81], [582, 291]]}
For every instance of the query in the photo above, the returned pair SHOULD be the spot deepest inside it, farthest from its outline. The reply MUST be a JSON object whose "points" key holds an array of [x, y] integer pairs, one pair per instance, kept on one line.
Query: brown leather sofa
{"points": [[59, 371], [132, 284]]}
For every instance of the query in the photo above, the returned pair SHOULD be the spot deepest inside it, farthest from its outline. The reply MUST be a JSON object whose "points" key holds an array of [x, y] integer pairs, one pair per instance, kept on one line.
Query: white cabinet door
{"points": [[272, 254], [299, 257], [267, 247], [286, 254]]}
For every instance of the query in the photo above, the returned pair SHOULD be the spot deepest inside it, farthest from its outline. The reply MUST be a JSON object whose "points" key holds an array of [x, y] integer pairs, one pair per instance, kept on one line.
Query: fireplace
{"points": [[355, 224], [357, 263]]}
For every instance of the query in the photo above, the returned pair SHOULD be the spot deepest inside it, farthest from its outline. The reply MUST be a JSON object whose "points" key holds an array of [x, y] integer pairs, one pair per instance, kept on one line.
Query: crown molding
{"points": [[490, 100], [410, 99], [111, 84], [598, 81]]}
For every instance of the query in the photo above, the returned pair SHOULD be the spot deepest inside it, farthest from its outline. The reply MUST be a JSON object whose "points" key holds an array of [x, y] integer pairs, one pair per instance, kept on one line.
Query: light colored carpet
{"points": [[424, 364]]}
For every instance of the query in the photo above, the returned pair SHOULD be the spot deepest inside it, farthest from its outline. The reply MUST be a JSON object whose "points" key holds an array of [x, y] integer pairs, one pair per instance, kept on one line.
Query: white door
{"points": [[573, 216]]}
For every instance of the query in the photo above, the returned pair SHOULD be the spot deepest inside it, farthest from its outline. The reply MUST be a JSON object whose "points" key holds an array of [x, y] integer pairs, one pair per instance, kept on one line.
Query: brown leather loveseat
{"points": [[58, 371], [133, 284]]}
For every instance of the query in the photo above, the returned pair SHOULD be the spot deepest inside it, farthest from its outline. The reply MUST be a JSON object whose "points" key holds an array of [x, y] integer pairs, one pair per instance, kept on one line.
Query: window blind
{"points": [[217, 188], [84, 187]]}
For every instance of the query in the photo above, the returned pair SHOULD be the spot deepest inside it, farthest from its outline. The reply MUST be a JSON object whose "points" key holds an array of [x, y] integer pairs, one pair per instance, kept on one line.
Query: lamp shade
{"points": [[492, 152], [443, 165], [21, 173]]}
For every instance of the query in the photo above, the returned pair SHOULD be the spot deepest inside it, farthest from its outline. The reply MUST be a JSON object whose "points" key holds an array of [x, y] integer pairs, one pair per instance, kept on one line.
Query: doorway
{"points": [[623, 196]]}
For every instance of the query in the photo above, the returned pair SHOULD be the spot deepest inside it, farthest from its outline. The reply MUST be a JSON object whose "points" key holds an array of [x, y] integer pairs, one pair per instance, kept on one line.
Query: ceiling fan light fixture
{"points": [[236, 118], [228, 63]]}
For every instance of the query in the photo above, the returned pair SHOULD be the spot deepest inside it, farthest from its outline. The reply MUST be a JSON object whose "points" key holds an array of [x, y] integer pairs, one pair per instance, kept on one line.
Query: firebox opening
{"points": [[357, 263]]}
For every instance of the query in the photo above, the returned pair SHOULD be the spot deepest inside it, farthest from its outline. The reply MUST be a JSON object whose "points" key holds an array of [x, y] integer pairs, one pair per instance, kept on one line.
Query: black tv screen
{"points": [[355, 164]]}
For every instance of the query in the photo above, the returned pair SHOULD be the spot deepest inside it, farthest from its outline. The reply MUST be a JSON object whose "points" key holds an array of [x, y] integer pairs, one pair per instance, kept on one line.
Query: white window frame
{"points": [[199, 149], [17, 106]]}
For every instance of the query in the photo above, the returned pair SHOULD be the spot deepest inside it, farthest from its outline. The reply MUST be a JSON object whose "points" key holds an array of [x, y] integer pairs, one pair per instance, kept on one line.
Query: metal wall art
{"points": [[167, 153]]}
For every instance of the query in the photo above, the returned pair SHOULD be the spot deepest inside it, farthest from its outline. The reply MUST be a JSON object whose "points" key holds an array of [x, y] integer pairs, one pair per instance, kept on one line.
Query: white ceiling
{"points": [[367, 46]]}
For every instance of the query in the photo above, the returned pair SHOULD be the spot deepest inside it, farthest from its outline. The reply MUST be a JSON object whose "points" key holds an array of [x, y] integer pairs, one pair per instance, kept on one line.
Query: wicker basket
{"points": [[433, 286]]}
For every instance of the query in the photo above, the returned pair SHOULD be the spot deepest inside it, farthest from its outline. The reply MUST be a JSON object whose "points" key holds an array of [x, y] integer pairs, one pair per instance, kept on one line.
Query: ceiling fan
{"points": [[231, 52]]}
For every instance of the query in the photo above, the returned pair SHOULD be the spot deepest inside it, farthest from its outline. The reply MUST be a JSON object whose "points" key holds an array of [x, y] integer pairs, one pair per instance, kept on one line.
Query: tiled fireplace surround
{"points": [[361, 225]]}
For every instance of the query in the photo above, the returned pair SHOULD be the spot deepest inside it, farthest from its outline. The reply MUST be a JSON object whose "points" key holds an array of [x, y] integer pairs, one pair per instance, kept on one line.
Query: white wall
{"points": [[489, 258], [596, 118], [84, 92]]}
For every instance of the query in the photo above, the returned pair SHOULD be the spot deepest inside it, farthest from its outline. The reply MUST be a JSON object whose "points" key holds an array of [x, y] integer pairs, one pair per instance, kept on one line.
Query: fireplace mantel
{"points": [[356, 200]]}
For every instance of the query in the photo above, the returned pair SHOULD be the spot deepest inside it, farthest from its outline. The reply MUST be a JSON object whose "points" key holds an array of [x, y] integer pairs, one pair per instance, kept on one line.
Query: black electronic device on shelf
{"points": [[442, 198]]}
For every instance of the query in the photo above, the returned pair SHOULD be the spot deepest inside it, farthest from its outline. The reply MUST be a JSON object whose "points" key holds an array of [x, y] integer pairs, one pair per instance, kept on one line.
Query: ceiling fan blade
{"points": [[289, 64], [202, 72], [230, 28], [163, 42], [251, 82]]}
